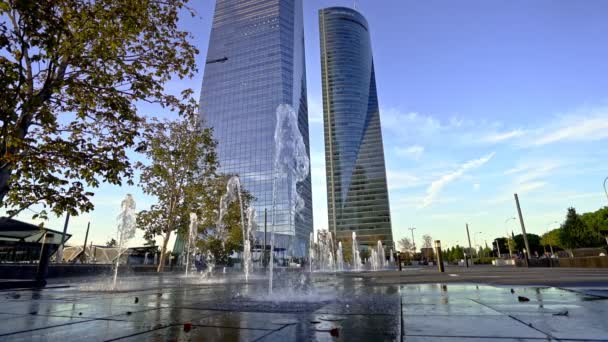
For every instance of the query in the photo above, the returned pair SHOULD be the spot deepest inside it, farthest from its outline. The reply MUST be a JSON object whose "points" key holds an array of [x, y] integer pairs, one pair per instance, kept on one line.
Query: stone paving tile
{"points": [[469, 339], [465, 309], [98, 330], [564, 327], [198, 333], [165, 316], [250, 320], [345, 328], [30, 322], [466, 326]]}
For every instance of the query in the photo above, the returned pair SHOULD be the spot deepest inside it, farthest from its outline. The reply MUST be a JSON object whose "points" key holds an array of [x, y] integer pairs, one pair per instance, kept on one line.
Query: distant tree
{"points": [[71, 73], [574, 233], [208, 220], [551, 238], [181, 163], [533, 241], [511, 246], [427, 241], [597, 224], [111, 243], [347, 250], [502, 244], [405, 245], [457, 253]]}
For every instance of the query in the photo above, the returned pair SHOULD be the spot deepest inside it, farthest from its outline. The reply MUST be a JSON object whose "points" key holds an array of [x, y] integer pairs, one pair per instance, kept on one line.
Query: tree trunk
{"points": [[163, 252], [5, 175]]}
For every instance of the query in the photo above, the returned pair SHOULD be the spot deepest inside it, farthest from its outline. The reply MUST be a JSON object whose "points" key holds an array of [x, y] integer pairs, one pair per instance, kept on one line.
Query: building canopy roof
{"points": [[14, 230]]}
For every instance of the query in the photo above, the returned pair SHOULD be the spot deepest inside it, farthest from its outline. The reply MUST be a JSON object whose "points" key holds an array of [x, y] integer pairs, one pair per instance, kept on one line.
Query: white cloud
{"points": [[436, 186], [413, 152], [315, 110], [504, 136], [476, 186], [398, 122], [577, 129], [402, 180]]}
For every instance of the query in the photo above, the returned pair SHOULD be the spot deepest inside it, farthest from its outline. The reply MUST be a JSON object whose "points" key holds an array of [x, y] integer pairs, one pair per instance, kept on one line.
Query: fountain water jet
{"points": [[191, 238], [247, 263], [125, 230], [292, 165], [233, 192], [356, 256], [340, 258]]}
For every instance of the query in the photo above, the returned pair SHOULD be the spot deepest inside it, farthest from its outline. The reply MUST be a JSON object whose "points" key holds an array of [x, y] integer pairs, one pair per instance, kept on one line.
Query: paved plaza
{"points": [[368, 306]]}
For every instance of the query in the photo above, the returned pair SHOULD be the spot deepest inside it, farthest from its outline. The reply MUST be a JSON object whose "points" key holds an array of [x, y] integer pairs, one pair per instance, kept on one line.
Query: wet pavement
{"points": [[322, 308]]}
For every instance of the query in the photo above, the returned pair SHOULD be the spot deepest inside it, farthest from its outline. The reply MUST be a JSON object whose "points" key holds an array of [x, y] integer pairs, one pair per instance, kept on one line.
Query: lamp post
{"points": [[497, 247], [413, 242], [399, 259], [475, 242], [523, 230], [439, 256], [606, 189]]}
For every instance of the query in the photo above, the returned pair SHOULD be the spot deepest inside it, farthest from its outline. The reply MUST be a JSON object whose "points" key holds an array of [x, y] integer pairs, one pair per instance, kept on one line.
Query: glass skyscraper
{"points": [[255, 63], [357, 193]]}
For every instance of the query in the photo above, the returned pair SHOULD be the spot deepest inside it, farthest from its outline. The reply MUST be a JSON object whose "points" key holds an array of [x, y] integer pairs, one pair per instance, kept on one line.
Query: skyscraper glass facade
{"points": [[357, 192], [255, 63]]}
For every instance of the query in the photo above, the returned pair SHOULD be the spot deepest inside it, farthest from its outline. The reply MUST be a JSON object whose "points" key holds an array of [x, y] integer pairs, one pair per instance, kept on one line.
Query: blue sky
{"points": [[479, 100]]}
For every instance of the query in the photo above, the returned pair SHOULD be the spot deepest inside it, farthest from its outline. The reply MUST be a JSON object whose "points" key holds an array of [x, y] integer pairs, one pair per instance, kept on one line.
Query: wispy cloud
{"points": [[402, 180], [412, 152], [503, 136], [435, 188], [576, 128], [315, 110]]}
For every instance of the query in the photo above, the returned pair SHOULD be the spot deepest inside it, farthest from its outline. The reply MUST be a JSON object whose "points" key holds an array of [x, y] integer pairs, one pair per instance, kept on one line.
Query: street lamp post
{"points": [[413, 242], [606, 189], [523, 230], [475, 243], [497, 247]]}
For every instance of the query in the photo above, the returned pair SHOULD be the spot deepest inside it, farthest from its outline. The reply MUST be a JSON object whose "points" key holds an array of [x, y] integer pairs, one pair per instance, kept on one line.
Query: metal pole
{"points": [[606, 191], [265, 225], [60, 249], [84, 247], [523, 229], [439, 256], [498, 247], [413, 242], [470, 248]]}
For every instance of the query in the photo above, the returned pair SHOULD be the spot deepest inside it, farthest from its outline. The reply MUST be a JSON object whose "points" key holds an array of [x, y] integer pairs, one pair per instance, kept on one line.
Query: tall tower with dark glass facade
{"points": [[357, 193], [255, 63]]}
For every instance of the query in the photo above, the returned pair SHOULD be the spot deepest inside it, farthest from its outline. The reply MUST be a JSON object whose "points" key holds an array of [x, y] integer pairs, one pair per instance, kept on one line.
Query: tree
{"points": [[405, 245], [574, 232], [182, 162], [208, 220], [71, 72], [597, 224], [347, 250], [511, 246], [427, 241], [551, 239], [111, 243], [533, 242]]}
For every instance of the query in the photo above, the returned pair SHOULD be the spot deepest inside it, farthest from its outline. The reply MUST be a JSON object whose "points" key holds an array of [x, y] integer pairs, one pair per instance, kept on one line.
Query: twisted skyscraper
{"points": [[357, 193]]}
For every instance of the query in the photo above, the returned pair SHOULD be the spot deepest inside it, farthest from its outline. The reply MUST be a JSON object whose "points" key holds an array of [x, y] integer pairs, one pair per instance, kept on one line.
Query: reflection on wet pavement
{"points": [[334, 308]]}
